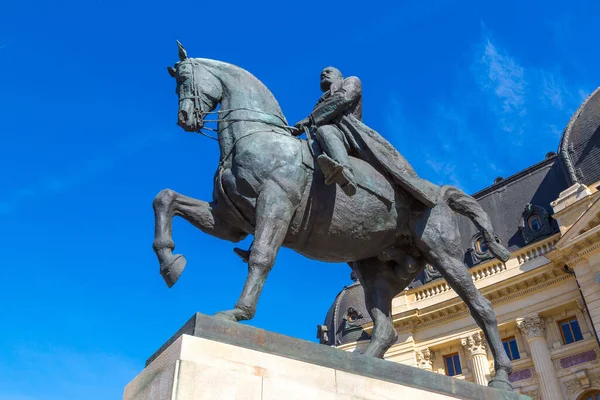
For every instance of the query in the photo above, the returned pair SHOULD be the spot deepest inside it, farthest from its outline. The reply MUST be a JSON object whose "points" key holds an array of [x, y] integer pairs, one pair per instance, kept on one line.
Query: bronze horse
{"points": [[267, 185]]}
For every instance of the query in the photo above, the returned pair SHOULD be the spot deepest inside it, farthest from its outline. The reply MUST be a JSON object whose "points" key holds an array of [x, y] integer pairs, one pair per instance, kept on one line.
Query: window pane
{"points": [[535, 223], [449, 366], [566, 330], [457, 365], [576, 331], [514, 350], [505, 344]]}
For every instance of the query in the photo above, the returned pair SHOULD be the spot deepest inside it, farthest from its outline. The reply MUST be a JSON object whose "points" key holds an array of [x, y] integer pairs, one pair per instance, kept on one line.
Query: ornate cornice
{"points": [[573, 253], [474, 344], [418, 320], [532, 326], [487, 269]]}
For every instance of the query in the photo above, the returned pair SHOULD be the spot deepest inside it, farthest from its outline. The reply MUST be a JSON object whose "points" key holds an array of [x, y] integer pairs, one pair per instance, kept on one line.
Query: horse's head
{"points": [[199, 91]]}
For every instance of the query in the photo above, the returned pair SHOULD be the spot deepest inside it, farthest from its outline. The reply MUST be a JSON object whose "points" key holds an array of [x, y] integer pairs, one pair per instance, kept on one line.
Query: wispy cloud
{"points": [[491, 125], [503, 80], [94, 166]]}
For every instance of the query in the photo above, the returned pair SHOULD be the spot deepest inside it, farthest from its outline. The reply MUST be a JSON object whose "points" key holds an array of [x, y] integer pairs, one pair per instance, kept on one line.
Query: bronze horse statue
{"points": [[267, 185]]}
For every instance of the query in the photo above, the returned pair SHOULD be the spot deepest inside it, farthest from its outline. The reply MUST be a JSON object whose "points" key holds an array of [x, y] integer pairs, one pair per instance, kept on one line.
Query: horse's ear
{"points": [[182, 52], [171, 71]]}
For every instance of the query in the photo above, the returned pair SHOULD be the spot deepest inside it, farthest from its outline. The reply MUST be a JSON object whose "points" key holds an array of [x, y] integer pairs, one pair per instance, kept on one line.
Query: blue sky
{"points": [[467, 91]]}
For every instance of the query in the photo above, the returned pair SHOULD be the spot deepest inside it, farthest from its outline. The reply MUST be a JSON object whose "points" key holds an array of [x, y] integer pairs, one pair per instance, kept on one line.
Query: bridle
{"points": [[198, 100]]}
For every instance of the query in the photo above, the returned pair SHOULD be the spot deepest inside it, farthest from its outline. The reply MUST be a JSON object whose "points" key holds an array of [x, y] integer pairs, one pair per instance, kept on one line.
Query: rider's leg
{"points": [[336, 164]]}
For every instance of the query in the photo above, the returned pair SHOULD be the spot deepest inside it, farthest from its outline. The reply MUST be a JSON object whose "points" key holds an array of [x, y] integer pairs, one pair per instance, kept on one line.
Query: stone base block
{"points": [[213, 359]]}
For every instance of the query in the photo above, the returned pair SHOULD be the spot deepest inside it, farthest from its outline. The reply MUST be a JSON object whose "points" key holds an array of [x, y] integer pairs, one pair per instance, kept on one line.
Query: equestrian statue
{"points": [[344, 194]]}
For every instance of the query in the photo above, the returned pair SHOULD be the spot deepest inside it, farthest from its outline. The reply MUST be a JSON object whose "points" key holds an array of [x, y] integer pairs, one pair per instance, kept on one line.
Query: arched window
{"points": [[593, 395], [535, 222], [481, 246]]}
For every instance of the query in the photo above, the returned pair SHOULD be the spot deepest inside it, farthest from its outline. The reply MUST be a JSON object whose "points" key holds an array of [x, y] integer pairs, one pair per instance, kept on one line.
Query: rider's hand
{"points": [[301, 124]]}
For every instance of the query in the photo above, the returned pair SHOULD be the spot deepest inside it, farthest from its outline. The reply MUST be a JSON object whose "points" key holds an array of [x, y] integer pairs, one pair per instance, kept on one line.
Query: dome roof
{"points": [[345, 318], [580, 144]]}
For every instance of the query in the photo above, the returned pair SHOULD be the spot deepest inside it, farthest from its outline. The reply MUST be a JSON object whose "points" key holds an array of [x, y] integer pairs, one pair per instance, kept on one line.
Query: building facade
{"points": [[546, 296]]}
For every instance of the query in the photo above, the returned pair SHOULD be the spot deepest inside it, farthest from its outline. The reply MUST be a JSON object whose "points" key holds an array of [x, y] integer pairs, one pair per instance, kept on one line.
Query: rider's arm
{"points": [[338, 102]]}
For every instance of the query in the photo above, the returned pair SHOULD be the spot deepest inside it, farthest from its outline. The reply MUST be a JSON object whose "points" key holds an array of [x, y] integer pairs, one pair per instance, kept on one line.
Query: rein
{"points": [[200, 115]]}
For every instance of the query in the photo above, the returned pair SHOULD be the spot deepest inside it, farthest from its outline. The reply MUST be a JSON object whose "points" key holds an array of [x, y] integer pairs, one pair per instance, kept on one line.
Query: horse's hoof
{"points": [[172, 271], [500, 384], [226, 315]]}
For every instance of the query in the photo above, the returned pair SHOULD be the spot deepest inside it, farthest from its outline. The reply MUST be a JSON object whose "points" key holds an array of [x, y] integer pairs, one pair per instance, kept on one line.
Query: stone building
{"points": [[546, 297]]}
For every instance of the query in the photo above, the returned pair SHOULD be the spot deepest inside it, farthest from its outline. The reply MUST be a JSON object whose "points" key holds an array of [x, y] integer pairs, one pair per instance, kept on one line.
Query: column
{"points": [[587, 273], [534, 330], [474, 346], [425, 359]]}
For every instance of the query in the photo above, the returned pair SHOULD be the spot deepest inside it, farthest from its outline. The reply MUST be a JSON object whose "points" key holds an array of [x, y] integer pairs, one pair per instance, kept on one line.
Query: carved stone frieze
{"points": [[425, 358], [581, 382]]}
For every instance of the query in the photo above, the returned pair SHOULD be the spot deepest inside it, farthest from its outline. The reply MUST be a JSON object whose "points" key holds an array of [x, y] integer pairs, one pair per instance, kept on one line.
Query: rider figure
{"points": [[340, 97], [336, 121]]}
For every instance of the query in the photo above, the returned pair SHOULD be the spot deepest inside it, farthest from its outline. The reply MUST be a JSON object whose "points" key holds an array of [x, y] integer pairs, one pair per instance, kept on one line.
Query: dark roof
{"points": [[340, 330], [505, 202], [580, 144]]}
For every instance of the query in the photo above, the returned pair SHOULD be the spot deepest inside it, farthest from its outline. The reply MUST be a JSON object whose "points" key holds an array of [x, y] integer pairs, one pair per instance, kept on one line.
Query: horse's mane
{"points": [[214, 66]]}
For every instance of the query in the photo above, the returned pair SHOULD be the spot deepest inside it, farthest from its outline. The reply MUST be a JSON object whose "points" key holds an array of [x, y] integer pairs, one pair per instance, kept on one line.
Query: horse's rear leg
{"points": [[439, 241], [381, 284], [274, 211], [168, 204], [466, 205]]}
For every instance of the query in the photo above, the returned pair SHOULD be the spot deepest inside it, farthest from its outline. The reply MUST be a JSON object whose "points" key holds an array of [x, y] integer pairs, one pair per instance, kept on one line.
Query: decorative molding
{"points": [[418, 321], [425, 358], [431, 274], [582, 381], [545, 229], [571, 364], [532, 326], [352, 318], [474, 344], [476, 255], [488, 269]]}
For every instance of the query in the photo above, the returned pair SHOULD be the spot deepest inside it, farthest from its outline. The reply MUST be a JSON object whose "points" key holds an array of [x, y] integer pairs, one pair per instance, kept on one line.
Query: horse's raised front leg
{"points": [[168, 204], [274, 210], [440, 243], [381, 283]]}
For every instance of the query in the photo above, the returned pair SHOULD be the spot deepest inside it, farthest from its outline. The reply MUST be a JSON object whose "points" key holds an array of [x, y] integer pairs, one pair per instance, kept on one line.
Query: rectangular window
{"points": [[569, 329], [452, 363], [510, 345]]}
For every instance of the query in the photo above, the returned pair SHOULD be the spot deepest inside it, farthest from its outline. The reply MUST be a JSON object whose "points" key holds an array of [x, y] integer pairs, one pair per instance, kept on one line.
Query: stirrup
{"points": [[243, 254]]}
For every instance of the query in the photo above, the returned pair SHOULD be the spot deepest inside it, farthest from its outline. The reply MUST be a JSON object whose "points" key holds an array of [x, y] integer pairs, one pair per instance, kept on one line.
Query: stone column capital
{"points": [[425, 358], [532, 326], [474, 344]]}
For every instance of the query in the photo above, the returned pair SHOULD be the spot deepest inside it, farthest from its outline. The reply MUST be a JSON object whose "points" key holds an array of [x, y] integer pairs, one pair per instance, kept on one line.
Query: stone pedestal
{"points": [[217, 360]]}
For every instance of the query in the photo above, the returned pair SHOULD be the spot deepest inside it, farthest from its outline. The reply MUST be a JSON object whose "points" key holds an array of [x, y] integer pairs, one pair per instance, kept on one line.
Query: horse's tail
{"points": [[466, 205]]}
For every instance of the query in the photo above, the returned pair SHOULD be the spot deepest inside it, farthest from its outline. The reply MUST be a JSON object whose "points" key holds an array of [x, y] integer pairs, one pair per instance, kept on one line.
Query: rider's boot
{"points": [[338, 173]]}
